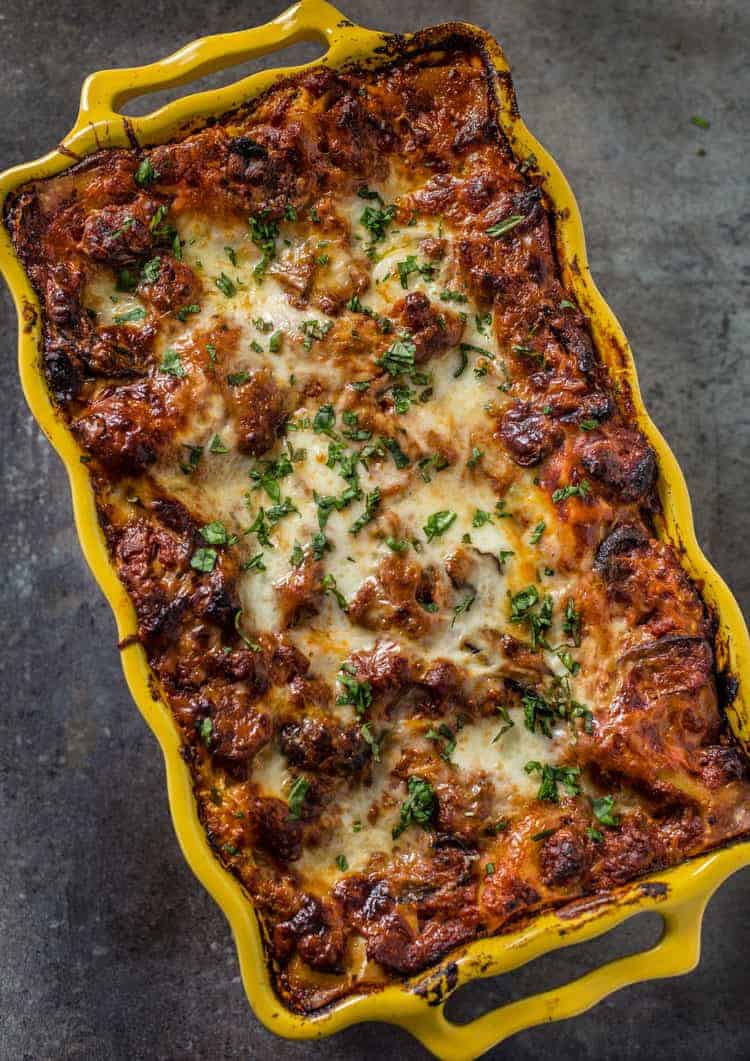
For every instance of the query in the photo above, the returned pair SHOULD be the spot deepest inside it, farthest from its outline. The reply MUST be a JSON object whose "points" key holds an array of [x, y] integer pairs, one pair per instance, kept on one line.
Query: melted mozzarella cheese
{"points": [[503, 558]]}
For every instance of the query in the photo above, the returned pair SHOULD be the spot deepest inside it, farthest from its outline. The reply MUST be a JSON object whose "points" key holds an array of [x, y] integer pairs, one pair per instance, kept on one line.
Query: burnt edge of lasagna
{"points": [[386, 522]]}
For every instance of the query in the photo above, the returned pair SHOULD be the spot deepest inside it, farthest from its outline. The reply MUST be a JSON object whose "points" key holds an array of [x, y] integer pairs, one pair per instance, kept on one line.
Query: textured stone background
{"points": [[110, 948]]}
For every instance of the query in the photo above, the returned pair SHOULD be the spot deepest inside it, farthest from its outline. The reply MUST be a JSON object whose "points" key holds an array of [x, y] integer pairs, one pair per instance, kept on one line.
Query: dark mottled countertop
{"points": [[110, 947]]}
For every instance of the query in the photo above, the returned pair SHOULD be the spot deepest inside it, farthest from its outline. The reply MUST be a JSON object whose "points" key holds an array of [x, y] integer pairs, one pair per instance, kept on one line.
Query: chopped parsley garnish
{"points": [[297, 793], [397, 545], [463, 606], [329, 586], [445, 734], [325, 419], [232, 255], [504, 555], [126, 281], [552, 776], [204, 560], [522, 607], [537, 712], [377, 220], [206, 731], [567, 304], [384, 324], [481, 517], [438, 523], [236, 379], [482, 321], [216, 445], [269, 474], [342, 863], [172, 365], [453, 296], [508, 723], [185, 311], [145, 174], [506, 225], [603, 809], [702, 123], [138, 313], [290, 214], [537, 532], [150, 270], [489, 869], [352, 430], [372, 504], [521, 602], [435, 462], [581, 490], [399, 457], [226, 285], [594, 834], [263, 233], [474, 459], [274, 343], [354, 692], [570, 664], [215, 533], [410, 265], [418, 808], [588, 424], [398, 358], [193, 459], [297, 555], [367, 735], [252, 645], [572, 621], [314, 329], [319, 545], [254, 563], [368, 193]]}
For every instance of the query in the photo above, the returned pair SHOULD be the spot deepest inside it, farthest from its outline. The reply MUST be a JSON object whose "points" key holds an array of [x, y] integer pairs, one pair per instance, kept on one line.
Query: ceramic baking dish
{"points": [[679, 895]]}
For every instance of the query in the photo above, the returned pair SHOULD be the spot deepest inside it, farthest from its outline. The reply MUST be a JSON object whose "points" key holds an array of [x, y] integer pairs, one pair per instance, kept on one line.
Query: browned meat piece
{"points": [[325, 746], [124, 427], [629, 851], [431, 330], [239, 729], [271, 827], [175, 286], [563, 857], [259, 410], [394, 597], [621, 459], [528, 435], [63, 293], [665, 710], [619, 543], [722, 764], [119, 235], [317, 932], [300, 592]]}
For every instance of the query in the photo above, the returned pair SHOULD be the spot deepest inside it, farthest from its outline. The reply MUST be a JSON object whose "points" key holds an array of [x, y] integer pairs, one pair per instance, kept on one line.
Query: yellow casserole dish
{"points": [[679, 895]]}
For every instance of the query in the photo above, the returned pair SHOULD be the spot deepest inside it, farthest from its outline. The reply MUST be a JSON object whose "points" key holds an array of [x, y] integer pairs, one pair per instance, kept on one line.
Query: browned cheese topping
{"points": [[386, 524]]}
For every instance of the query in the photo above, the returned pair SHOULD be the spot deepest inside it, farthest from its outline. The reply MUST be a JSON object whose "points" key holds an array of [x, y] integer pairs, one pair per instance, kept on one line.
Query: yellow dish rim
{"points": [[680, 894]]}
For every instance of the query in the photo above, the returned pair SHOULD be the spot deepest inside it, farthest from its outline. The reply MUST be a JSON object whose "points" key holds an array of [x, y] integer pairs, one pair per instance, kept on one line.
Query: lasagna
{"points": [[387, 524]]}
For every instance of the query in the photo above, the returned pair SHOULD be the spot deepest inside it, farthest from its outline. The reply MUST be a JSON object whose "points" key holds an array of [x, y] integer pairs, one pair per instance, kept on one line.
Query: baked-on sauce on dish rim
{"points": [[386, 522]]}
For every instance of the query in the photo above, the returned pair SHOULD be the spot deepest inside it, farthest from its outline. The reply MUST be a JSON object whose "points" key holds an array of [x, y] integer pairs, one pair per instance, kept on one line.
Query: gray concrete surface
{"points": [[109, 949]]}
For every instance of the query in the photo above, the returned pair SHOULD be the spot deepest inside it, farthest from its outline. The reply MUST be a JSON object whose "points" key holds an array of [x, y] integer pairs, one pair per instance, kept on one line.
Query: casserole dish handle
{"points": [[676, 952], [309, 20]]}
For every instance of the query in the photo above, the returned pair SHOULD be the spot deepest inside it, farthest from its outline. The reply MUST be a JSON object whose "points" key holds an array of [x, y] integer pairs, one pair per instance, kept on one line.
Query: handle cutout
{"points": [[292, 55], [555, 969]]}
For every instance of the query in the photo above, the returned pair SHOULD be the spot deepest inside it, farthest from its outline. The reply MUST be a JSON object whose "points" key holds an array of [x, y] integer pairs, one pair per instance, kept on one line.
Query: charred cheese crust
{"points": [[386, 526]]}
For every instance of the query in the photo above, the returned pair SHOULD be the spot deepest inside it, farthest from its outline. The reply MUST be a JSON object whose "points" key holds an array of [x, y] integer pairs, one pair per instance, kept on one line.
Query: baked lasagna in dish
{"points": [[387, 524]]}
